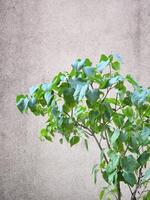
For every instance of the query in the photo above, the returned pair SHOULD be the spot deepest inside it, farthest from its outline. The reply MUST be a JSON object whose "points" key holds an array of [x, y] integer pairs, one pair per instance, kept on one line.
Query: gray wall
{"points": [[38, 38]]}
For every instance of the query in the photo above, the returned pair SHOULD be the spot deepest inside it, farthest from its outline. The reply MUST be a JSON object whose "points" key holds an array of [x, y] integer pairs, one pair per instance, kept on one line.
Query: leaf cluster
{"points": [[96, 101]]}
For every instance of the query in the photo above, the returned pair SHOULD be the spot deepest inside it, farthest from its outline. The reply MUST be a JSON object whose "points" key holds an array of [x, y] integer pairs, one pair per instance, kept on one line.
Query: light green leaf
{"points": [[102, 65], [89, 71], [116, 65], [131, 80], [101, 195], [33, 89], [115, 80], [46, 86], [145, 136], [115, 136], [146, 175], [45, 134], [48, 97]]}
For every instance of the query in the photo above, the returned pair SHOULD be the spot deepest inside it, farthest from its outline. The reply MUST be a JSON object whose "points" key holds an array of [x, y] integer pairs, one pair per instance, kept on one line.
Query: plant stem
{"points": [[118, 190], [137, 185]]}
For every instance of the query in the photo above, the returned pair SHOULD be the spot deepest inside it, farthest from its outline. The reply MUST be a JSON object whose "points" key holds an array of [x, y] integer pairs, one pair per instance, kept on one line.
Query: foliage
{"points": [[96, 101]]}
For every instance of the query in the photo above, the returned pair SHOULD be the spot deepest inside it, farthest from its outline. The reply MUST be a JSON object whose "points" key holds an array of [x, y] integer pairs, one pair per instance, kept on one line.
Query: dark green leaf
{"points": [[143, 158], [74, 140], [32, 102], [22, 104], [129, 178], [68, 96], [92, 95], [129, 163]]}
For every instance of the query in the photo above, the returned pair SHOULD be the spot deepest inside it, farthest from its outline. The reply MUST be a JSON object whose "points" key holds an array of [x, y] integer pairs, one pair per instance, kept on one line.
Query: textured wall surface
{"points": [[38, 38]]}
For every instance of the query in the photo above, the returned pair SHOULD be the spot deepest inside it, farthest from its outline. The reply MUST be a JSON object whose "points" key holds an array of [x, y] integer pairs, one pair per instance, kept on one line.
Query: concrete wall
{"points": [[39, 38]]}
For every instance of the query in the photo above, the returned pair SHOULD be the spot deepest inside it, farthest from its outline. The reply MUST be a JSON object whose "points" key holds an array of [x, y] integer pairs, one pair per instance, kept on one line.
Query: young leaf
{"points": [[101, 195]]}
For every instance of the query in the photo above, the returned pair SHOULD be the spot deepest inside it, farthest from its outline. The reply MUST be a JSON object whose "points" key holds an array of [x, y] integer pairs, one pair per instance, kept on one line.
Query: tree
{"points": [[96, 101]]}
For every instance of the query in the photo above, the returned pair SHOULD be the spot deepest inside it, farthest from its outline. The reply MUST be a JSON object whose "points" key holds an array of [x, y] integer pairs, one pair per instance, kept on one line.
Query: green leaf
{"points": [[33, 89], [115, 136], [128, 111], [45, 134], [144, 136], [74, 140], [147, 197], [68, 97], [102, 65], [143, 158], [146, 175], [94, 172], [140, 96], [89, 71], [80, 63], [129, 178], [118, 119], [46, 86], [129, 163], [116, 65], [87, 62], [32, 102], [80, 88], [131, 80], [92, 95], [22, 104], [103, 58], [115, 80], [113, 163], [48, 97], [112, 101], [61, 140], [86, 144], [101, 195]]}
